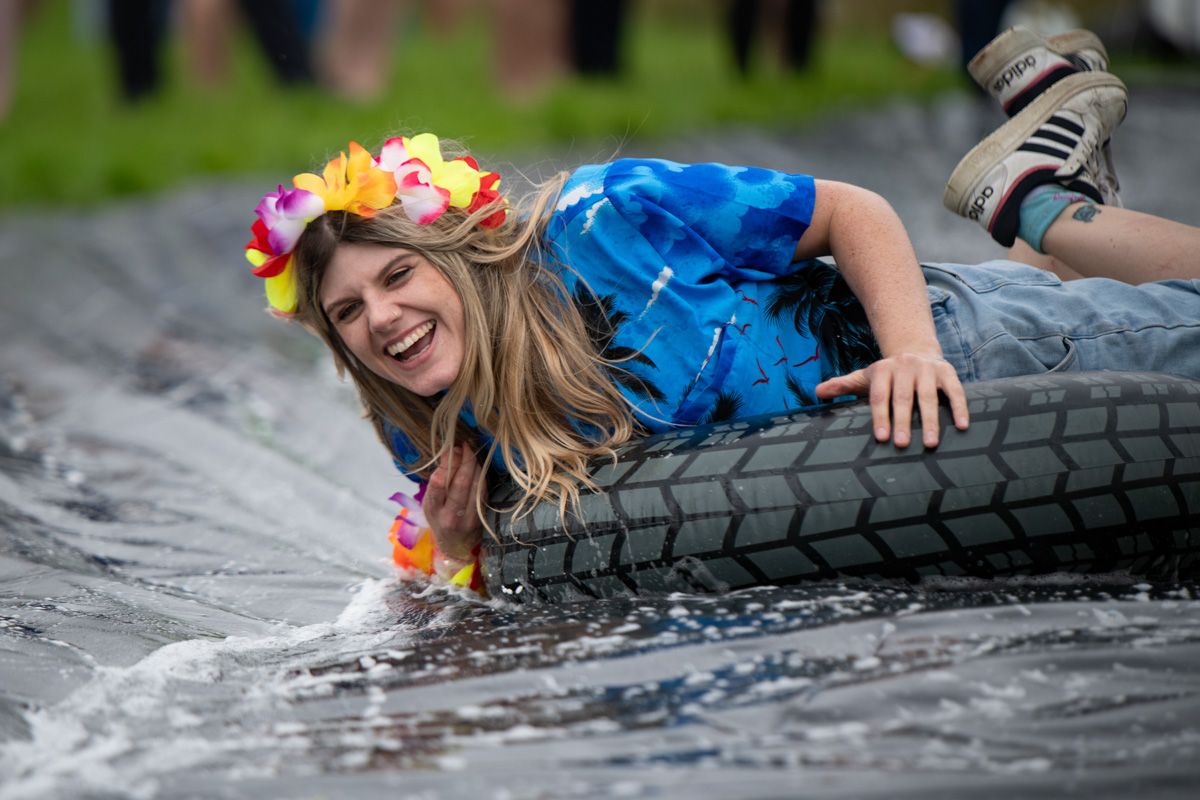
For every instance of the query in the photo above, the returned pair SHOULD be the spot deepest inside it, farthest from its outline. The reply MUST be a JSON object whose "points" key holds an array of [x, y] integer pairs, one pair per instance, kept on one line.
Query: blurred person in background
{"points": [[746, 20], [535, 42], [138, 29], [978, 23], [356, 45], [596, 30], [208, 27], [529, 46]]}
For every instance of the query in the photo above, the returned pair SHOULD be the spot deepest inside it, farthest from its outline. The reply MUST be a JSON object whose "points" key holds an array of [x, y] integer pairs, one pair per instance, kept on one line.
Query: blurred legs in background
{"points": [[798, 26], [12, 15], [276, 27], [208, 30], [356, 54], [595, 29], [530, 45], [445, 16], [138, 28], [978, 23]]}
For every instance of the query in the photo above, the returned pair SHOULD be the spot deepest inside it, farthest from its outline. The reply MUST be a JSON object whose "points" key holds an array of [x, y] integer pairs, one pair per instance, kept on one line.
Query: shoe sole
{"points": [[1009, 136], [1007, 46]]}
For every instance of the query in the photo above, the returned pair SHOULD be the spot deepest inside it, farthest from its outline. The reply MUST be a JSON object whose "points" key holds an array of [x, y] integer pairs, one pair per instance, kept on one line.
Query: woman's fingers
{"points": [[894, 385], [450, 482], [857, 382], [449, 503], [953, 388], [904, 384], [461, 491], [435, 491], [898, 385], [927, 404], [881, 404]]}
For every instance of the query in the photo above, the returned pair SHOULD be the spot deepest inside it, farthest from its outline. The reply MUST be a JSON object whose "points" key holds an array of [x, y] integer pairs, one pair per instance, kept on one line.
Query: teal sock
{"points": [[1041, 207]]}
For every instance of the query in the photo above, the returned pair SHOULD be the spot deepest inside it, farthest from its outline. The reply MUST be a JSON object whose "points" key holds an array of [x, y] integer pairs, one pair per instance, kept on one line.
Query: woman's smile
{"points": [[413, 344], [397, 314]]}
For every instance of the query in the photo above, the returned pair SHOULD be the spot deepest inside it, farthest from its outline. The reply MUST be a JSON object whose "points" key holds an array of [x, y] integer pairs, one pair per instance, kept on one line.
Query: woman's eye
{"points": [[346, 311], [393, 277]]}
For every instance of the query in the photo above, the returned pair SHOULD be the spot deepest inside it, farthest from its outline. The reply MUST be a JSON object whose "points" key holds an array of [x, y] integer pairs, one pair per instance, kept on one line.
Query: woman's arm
{"points": [[872, 250]]}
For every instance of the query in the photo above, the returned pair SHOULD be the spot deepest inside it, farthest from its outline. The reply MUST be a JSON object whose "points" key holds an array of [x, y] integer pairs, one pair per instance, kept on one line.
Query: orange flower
{"points": [[351, 184]]}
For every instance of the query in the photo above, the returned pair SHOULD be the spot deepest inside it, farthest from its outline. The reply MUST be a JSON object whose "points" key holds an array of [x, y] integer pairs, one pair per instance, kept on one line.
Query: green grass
{"points": [[69, 140]]}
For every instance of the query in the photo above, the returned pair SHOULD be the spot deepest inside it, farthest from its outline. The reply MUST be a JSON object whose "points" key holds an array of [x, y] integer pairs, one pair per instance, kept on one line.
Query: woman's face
{"points": [[397, 314]]}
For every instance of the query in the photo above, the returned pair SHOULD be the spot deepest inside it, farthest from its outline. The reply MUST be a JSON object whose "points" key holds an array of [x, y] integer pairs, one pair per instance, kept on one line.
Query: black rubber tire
{"points": [[1079, 472]]}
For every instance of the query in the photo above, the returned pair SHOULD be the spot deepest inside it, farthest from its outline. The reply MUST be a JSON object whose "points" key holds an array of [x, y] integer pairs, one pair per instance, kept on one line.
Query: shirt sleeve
{"points": [[745, 220], [404, 454]]}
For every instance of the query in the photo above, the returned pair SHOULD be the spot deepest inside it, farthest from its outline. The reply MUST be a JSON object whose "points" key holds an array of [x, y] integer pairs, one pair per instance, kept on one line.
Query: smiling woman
{"points": [[398, 314], [434, 300], [645, 296]]}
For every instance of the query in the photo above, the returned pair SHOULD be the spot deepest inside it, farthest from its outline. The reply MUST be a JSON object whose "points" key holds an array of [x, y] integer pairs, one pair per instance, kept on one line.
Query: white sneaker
{"points": [[1018, 65], [1055, 139]]}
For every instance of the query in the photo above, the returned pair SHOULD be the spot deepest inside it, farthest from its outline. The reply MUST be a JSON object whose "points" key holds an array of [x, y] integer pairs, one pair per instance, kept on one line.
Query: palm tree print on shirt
{"points": [[603, 323], [822, 305], [727, 406]]}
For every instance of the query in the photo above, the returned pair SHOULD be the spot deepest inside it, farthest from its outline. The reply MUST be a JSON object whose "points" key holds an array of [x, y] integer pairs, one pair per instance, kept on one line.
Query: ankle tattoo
{"points": [[1086, 213]]}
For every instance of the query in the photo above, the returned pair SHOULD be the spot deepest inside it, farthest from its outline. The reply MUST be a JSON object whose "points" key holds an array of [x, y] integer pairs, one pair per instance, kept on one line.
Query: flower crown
{"points": [[409, 170]]}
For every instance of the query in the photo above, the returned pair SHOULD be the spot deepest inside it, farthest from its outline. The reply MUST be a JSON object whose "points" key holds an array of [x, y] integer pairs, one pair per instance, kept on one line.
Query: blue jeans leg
{"points": [[1001, 319]]}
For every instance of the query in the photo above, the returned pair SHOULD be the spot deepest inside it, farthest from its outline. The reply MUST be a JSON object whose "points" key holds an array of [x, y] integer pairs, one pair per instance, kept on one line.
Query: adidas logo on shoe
{"points": [[1014, 73], [1056, 139], [979, 204], [1018, 65]]}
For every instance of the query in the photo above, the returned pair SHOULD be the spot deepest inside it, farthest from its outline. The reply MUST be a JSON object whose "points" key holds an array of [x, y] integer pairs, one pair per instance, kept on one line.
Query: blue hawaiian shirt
{"points": [[685, 276]]}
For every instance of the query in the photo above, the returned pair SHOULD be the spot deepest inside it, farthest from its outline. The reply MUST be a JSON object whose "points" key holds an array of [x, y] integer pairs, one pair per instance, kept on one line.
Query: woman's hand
{"points": [[867, 239], [891, 383], [449, 503]]}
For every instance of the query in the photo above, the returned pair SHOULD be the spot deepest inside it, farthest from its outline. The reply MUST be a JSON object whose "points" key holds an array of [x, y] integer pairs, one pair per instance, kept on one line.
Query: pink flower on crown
{"points": [[427, 184], [286, 212], [422, 201], [456, 176], [393, 154], [282, 217]]}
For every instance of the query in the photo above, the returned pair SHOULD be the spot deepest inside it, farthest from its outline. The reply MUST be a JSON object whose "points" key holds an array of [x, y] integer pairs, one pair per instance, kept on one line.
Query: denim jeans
{"points": [[1001, 319]]}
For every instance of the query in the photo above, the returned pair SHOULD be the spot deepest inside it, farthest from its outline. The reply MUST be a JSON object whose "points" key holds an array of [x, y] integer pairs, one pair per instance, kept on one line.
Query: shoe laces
{"points": [[1093, 163]]}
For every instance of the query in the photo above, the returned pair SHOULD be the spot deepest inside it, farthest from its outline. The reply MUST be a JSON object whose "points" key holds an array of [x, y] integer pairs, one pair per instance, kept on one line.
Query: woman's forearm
{"points": [[872, 249], [866, 238]]}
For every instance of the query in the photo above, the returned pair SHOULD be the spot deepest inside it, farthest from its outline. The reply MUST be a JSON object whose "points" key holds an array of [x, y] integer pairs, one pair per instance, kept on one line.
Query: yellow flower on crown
{"points": [[351, 183]]}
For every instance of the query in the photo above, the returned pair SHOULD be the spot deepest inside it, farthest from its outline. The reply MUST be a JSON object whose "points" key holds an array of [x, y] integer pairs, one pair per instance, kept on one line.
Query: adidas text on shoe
{"points": [[1056, 139], [1018, 65]]}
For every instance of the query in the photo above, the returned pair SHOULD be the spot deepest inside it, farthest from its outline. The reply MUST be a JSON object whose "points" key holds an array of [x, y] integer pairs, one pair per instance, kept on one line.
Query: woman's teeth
{"points": [[408, 341]]}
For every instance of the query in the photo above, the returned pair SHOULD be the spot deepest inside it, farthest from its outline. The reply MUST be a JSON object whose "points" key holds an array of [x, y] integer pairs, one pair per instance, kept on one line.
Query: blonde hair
{"points": [[531, 372]]}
